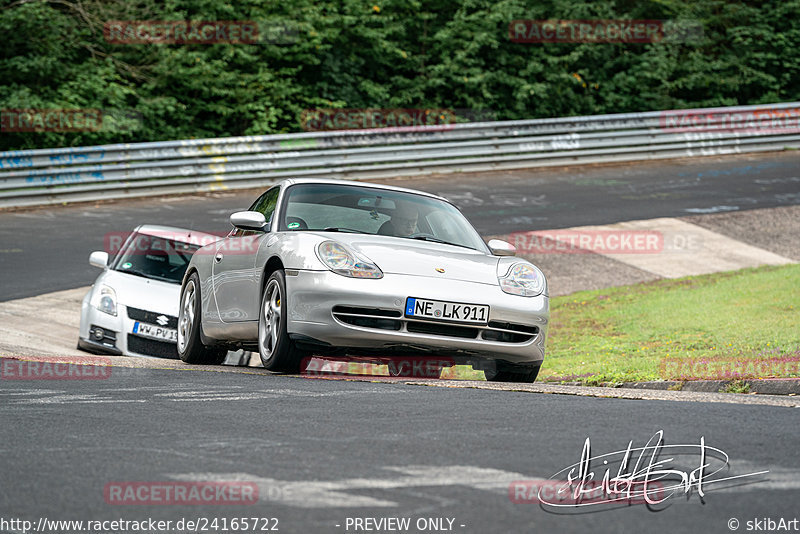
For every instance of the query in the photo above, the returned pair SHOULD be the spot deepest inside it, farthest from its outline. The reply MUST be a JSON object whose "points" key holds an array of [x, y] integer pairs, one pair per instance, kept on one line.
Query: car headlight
{"points": [[105, 300], [344, 261], [523, 279]]}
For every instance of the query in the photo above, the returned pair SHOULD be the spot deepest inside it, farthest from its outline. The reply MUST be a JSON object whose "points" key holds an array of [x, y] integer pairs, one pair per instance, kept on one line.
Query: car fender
{"points": [[201, 264], [295, 250]]}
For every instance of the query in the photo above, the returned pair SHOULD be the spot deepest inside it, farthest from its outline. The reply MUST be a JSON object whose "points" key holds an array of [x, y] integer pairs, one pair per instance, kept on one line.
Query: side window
{"points": [[266, 203]]}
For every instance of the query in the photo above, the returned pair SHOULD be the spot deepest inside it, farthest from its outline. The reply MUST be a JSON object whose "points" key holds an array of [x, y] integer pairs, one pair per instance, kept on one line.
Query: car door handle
{"points": [[218, 257]]}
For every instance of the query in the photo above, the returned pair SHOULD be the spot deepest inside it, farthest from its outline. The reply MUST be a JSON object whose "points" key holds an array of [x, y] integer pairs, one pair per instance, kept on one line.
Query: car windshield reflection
{"points": [[155, 257], [353, 209]]}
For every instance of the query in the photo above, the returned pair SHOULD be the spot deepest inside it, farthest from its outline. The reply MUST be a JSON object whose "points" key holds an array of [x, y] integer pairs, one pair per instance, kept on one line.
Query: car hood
{"points": [[143, 293], [422, 258]]}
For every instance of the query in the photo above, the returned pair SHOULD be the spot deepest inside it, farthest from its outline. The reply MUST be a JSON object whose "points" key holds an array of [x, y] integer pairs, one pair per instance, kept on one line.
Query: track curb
{"points": [[761, 386]]}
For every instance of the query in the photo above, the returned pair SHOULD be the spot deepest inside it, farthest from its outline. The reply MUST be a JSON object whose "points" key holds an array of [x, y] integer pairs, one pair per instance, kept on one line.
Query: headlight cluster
{"points": [[523, 279], [344, 261], [105, 300]]}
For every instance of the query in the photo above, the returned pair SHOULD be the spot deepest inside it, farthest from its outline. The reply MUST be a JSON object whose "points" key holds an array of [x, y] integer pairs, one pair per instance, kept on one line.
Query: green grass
{"points": [[631, 333]]}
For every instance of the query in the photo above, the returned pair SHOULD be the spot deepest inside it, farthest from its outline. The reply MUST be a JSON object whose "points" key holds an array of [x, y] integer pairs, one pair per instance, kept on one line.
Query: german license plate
{"points": [[440, 310], [155, 332]]}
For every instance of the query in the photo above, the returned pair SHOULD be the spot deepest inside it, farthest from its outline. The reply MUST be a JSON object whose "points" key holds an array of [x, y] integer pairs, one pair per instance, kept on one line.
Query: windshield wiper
{"points": [[437, 240], [134, 272], [341, 229]]}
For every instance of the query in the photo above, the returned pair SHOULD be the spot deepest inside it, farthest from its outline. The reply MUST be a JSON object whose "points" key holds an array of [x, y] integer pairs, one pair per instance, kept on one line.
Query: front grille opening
{"points": [[152, 317], [440, 329], [505, 337], [151, 347], [370, 322], [368, 317], [533, 330], [353, 310]]}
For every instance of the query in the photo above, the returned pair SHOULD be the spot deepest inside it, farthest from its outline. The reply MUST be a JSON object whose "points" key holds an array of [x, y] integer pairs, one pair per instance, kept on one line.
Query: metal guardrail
{"points": [[55, 176]]}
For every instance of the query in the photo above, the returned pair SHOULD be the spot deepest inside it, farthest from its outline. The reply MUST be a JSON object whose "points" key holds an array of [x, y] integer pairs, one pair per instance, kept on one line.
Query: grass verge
{"points": [[731, 325]]}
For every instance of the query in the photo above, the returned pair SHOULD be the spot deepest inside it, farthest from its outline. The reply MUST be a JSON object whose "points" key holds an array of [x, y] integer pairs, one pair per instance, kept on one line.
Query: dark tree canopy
{"points": [[451, 54]]}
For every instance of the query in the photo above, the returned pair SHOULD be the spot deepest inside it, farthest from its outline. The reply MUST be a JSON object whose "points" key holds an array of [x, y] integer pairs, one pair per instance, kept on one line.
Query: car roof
{"points": [[293, 181], [183, 235]]}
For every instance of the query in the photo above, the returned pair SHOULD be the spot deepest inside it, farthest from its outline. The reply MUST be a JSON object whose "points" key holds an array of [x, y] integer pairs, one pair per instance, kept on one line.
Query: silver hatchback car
{"points": [[330, 267]]}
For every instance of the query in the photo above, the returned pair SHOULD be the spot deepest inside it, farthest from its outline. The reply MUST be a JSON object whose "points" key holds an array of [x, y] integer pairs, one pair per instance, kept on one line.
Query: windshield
{"points": [[354, 209], [155, 257]]}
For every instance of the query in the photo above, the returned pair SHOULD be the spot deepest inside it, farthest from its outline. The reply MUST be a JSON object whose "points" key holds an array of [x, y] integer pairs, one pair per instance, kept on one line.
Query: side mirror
{"points": [[98, 258], [249, 220], [501, 248]]}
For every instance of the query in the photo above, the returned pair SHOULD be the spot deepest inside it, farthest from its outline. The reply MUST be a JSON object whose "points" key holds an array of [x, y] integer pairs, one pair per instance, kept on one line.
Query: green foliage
{"points": [[736, 386], [379, 54]]}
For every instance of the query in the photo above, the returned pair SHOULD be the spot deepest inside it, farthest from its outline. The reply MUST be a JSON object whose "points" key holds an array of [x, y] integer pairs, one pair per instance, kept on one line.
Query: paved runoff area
{"points": [[663, 247], [598, 256]]}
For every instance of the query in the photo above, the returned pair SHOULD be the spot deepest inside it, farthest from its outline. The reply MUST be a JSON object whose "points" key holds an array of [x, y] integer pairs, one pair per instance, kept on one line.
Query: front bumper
{"points": [[124, 341], [349, 313]]}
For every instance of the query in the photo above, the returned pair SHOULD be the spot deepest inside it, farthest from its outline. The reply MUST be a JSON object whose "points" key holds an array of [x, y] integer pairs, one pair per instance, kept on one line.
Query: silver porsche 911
{"points": [[328, 267]]}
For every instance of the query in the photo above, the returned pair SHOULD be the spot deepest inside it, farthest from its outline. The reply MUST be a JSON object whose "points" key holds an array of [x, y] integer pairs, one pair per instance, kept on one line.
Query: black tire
{"points": [[278, 352], [508, 372], [190, 346]]}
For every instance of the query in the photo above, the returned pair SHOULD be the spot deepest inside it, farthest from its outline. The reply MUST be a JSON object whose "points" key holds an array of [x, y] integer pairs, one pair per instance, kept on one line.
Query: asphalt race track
{"points": [[321, 451], [448, 457]]}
